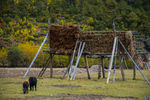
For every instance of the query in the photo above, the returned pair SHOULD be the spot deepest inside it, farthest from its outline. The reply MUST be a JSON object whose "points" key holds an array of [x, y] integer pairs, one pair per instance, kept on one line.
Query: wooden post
{"points": [[115, 61], [121, 68], [78, 58], [87, 66], [70, 66], [99, 69], [69, 60], [102, 62], [36, 54], [111, 60], [134, 63], [51, 67], [134, 69], [125, 62]]}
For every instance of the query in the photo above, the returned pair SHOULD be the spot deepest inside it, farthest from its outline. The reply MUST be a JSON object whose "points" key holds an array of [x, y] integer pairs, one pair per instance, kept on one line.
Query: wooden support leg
{"points": [[87, 67], [99, 69], [69, 58], [134, 63], [51, 68], [121, 68], [102, 62], [134, 70], [125, 62], [111, 60]]}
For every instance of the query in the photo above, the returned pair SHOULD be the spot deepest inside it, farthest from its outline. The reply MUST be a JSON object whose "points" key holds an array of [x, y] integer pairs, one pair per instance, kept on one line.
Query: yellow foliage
{"points": [[49, 2], [16, 1], [86, 27], [12, 22], [3, 56], [90, 20], [1, 31], [62, 22], [28, 50]]}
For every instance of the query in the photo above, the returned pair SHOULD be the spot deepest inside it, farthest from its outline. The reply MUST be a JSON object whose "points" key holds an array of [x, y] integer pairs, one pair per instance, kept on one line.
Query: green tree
{"points": [[15, 56]]}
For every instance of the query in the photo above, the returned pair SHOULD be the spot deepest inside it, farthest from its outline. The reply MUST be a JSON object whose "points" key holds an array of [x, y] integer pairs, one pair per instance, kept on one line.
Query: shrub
{"points": [[29, 50], [15, 56], [3, 56]]}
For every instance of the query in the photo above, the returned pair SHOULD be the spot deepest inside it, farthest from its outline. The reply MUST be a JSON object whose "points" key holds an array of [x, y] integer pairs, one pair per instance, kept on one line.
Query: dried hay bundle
{"points": [[103, 43], [63, 38]]}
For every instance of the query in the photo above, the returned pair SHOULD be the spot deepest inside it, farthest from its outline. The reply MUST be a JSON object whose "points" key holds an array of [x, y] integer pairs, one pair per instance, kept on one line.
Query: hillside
{"points": [[20, 20]]}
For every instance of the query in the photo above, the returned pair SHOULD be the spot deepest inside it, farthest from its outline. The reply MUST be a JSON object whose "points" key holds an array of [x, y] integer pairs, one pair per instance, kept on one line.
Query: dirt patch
{"points": [[72, 86], [91, 97], [19, 72], [76, 97]]}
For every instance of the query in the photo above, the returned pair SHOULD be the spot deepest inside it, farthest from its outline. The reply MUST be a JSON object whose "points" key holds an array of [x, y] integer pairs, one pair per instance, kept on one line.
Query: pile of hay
{"points": [[103, 43], [63, 38]]}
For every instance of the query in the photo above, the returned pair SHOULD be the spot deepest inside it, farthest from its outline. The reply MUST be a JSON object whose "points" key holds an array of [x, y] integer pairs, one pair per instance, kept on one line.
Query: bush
{"points": [[15, 56], [3, 56], [29, 50]]}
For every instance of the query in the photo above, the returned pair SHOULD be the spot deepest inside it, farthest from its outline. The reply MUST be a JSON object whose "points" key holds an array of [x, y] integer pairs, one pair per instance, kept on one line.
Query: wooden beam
{"points": [[99, 68], [121, 68], [125, 62], [134, 69], [111, 61], [70, 61], [115, 61], [102, 62], [70, 68], [134, 63], [77, 62], [87, 67], [36, 55]]}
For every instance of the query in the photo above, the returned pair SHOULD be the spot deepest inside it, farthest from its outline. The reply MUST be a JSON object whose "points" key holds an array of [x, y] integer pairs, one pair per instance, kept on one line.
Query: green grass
{"points": [[12, 87]]}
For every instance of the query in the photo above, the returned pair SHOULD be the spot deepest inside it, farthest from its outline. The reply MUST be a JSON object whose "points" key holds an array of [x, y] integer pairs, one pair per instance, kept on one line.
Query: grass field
{"points": [[79, 89]]}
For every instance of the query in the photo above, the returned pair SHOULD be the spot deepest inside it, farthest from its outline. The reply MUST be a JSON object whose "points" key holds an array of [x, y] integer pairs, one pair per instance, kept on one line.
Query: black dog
{"points": [[33, 83], [25, 86]]}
